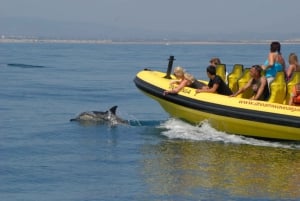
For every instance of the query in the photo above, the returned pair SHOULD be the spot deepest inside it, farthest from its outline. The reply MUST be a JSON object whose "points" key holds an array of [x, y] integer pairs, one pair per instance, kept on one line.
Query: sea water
{"points": [[44, 156]]}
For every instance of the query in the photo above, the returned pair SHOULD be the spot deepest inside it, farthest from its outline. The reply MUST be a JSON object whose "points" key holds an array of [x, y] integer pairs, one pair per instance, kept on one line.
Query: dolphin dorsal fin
{"points": [[113, 109]]}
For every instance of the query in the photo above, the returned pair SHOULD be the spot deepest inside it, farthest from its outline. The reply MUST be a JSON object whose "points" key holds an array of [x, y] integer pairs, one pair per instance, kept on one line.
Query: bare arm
{"points": [[282, 61], [290, 70], [182, 84], [292, 96], [271, 61], [175, 82], [241, 90], [207, 89], [263, 83]]}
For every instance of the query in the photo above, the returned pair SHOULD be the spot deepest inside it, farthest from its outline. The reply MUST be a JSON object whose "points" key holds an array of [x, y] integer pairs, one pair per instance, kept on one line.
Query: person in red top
{"points": [[295, 95]]}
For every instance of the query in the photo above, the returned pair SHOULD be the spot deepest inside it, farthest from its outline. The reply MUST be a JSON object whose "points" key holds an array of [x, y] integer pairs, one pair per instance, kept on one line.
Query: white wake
{"points": [[177, 129]]}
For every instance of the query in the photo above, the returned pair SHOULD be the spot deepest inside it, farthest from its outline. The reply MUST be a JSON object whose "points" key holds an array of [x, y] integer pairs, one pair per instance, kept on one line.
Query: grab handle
{"points": [[170, 65]]}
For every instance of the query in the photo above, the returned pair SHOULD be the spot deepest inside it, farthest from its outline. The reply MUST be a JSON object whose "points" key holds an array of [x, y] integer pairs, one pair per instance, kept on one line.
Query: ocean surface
{"points": [[45, 157]]}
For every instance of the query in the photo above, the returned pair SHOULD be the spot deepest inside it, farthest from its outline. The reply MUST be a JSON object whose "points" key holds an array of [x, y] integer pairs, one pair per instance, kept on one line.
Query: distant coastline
{"points": [[150, 42]]}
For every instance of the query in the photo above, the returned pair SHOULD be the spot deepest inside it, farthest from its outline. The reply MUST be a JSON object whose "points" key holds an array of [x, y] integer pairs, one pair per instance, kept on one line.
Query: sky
{"points": [[151, 19]]}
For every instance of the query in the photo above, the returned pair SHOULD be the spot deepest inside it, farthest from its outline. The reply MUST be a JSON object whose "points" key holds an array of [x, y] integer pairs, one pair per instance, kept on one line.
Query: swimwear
{"points": [[271, 71], [197, 84]]}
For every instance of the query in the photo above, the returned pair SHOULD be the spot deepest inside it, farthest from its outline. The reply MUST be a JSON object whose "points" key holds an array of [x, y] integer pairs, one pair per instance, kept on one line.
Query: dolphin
{"points": [[95, 117]]}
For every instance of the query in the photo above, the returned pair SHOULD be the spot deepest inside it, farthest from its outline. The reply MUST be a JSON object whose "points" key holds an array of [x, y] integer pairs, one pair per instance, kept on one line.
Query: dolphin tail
{"points": [[113, 109], [73, 119]]}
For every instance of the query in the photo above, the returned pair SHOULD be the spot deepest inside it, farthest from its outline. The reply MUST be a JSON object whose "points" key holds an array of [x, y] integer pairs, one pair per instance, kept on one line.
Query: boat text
{"points": [[266, 104]]}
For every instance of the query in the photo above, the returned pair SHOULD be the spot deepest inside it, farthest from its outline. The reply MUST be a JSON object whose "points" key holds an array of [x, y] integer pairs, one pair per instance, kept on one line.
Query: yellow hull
{"points": [[232, 115]]}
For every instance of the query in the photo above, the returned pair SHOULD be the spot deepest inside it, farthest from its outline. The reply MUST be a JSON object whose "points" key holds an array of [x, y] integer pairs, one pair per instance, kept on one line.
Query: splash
{"points": [[177, 129]]}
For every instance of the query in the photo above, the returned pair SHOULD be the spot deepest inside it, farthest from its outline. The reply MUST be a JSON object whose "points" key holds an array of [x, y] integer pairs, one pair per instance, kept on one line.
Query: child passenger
{"points": [[295, 95]]}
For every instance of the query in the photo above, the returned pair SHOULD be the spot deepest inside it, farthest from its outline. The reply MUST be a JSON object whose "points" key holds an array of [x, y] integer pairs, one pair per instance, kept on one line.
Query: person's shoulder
{"points": [[281, 57], [218, 79], [272, 53], [263, 79], [293, 66]]}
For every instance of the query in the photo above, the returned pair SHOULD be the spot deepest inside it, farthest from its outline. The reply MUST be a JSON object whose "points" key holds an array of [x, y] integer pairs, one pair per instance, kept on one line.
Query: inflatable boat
{"points": [[272, 119]]}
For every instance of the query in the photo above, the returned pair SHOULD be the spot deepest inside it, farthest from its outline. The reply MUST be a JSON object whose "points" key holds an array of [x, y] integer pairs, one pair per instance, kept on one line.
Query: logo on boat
{"points": [[266, 104]]}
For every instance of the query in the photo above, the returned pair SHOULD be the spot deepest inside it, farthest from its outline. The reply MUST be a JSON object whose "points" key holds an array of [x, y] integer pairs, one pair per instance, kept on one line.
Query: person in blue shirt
{"points": [[274, 63]]}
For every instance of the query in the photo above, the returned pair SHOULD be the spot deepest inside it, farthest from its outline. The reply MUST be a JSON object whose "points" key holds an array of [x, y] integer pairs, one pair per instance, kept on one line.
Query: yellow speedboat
{"points": [[235, 115]]}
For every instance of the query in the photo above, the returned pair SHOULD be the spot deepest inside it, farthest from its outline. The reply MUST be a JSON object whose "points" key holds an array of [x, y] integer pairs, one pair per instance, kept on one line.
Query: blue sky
{"points": [[150, 18]]}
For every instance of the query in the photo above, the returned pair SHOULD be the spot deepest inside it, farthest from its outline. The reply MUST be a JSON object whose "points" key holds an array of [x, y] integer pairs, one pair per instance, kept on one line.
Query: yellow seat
{"points": [[233, 77], [291, 83], [278, 89], [242, 81], [221, 71]]}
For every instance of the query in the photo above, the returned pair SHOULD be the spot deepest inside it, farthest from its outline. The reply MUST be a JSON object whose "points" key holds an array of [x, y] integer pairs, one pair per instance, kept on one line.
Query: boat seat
{"points": [[221, 71], [233, 77], [242, 81], [289, 86], [278, 89]]}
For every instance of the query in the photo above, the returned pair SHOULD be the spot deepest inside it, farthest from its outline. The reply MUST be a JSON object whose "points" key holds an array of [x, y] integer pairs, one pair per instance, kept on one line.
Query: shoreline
{"points": [[163, 42]]}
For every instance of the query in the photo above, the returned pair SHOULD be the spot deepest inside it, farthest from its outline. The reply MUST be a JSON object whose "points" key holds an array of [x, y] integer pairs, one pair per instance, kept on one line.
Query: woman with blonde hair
{"points": [[183, 79], [293, 66]]}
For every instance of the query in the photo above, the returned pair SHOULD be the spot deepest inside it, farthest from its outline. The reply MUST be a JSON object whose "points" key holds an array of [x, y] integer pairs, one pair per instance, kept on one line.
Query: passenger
{"points": [[293, 66], [215, 61], [216, 84], [258, 84], [275, 62], [183, 79], [295, 95], [193, 83]]}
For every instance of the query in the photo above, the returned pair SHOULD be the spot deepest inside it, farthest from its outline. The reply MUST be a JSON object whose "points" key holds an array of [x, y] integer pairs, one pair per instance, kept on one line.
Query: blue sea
{"points": [[45, 157]]}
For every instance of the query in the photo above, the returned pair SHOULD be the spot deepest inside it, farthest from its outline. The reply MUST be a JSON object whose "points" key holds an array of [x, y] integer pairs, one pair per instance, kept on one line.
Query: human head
{"points": [[211, 70], [178, 71], [275, 47], [255, 71], [215, 61], [293, 59]]}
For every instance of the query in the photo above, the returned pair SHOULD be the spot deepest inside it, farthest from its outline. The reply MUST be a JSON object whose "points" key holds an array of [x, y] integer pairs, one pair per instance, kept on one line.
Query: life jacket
{"points": [[296, 94]]}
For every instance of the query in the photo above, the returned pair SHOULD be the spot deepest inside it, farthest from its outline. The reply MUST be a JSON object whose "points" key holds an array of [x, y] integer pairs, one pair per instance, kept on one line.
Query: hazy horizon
{"points": [[151, 20]]}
